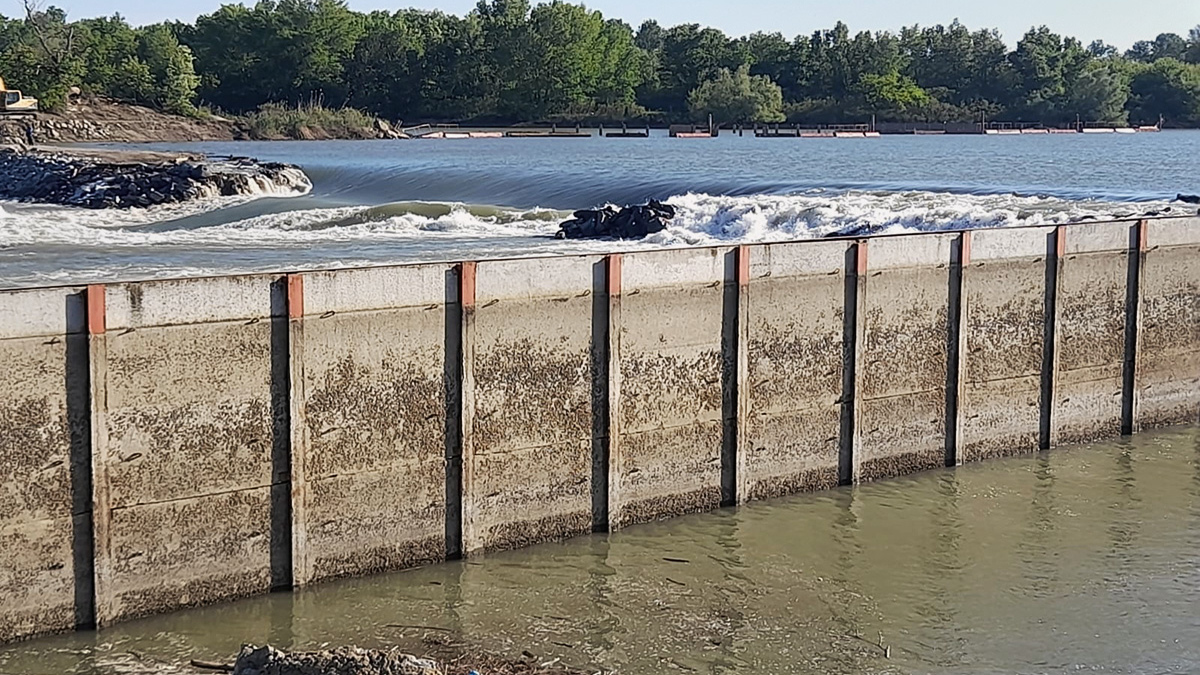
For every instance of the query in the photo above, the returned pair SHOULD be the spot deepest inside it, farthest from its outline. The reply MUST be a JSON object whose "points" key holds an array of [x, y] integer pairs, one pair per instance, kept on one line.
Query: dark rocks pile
{"points": [[99, 182], [631, 222], [344, 661]]}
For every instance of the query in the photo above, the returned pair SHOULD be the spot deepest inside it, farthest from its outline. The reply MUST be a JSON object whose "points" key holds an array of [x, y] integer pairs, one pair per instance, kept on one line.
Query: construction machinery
{"points": [[14, 104]]}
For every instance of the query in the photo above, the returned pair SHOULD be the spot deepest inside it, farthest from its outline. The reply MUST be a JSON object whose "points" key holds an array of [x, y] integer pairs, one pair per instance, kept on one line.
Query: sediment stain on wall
{"points": [[219, 435], [670, 404], [796, 315], [1090, 332], [1004, 314], [1168, 349], [374, 409], [900, 424], [532, 419], [185, 448], [43, 579]]}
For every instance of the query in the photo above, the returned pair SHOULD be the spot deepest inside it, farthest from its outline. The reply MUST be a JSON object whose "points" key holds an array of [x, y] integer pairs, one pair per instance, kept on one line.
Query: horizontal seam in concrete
{"points": [[685, 425], [320, 316], [117, 331], [889, 397], [40, 336], [540, 446], [193, 498], [394, 466], [772, 279], [793, 411], [1012, 378]]}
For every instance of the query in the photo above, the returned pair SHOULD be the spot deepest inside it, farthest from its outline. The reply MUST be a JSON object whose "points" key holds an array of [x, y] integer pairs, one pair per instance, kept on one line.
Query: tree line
{"points": [[508, 61]]}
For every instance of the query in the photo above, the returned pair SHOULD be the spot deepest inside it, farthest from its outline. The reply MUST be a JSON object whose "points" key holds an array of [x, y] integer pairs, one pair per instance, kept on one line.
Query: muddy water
{"points": [[1081, 560]]}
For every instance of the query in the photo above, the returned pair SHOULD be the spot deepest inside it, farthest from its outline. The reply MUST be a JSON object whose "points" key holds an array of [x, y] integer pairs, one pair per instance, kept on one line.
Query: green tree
{"points": [[737, 97], [893, 95], [1099, 94], [1166, 88]]}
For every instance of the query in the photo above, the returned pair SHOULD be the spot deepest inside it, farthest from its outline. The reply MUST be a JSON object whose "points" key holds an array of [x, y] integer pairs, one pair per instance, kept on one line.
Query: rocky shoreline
{"points": [[102, 179], [267, 660]]}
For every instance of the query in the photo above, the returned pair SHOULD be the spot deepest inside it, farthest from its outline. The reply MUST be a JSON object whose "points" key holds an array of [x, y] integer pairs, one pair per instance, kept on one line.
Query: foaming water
{"points": [[392, 202], [1081, 560]]}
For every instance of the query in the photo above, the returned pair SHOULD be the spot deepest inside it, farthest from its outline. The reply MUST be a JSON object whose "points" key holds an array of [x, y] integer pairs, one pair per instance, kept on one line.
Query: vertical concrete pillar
{"points": [[743, 444], [960, 258], [854, 297], [466, 299], [616, 460], [301, 564], [101, 502]]}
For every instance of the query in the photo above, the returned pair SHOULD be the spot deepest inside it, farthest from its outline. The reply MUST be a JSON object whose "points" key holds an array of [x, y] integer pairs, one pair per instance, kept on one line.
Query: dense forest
{"points": [[508, 61]]}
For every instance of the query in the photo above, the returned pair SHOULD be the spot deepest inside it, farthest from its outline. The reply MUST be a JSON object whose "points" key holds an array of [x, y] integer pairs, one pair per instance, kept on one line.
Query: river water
{"points": [[378, 202], [1084, 560]]}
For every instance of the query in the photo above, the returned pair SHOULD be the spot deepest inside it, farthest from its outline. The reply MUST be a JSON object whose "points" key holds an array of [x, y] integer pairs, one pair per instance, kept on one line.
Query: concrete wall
{"points": [[45, 498], [1168, 343], [1003, 341], [667, 449], [1093, 275], [903, 323], [795, 329], [528, 423], [174, 443], [184, 445], [369, 455]]}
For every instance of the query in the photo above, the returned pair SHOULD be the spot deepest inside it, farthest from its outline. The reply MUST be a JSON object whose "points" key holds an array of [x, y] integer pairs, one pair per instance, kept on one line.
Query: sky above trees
{"points": [[1117, 22]]}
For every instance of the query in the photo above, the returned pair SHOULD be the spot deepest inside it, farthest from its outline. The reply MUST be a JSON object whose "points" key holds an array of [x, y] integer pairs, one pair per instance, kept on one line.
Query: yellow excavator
{"points": [[13, 104]]}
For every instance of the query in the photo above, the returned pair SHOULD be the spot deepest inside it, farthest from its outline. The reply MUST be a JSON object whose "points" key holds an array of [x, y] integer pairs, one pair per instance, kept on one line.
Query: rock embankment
{"points": [[353, 661], [113, 179]]}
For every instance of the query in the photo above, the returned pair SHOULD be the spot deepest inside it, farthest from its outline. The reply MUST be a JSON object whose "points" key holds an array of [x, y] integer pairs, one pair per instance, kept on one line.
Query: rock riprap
{"points": [[343, 661], [102, 179]]}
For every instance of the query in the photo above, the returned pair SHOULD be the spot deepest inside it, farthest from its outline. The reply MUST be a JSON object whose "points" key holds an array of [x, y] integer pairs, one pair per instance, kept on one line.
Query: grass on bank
{"points": [[311, 121]]}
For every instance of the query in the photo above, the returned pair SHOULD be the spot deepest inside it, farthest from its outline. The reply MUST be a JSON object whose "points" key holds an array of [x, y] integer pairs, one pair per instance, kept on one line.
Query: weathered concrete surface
{"points": [[667, 456], [43, 446], [1090, 332], [1167, 385], [183, 457], [531, 422], [1003, 324], [900, 413], [373, 422], [796, 318]]}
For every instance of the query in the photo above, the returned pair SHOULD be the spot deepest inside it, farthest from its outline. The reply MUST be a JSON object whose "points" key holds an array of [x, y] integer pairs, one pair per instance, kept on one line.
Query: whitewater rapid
{"points": [[40, 245]]}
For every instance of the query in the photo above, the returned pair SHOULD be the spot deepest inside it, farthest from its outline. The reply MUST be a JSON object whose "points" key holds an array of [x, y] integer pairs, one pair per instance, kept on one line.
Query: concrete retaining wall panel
{"points": [[1168, 349], [902, 363], [188, 552], [532, 434], [796, 315], [670, 399], [186, 452], [1090, 333], [1003, 324], [375, 420], [43, 455]]}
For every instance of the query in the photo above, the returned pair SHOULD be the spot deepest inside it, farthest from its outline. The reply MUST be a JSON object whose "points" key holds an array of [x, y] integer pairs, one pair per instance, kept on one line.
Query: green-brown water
{"points": [[1080, 560]]}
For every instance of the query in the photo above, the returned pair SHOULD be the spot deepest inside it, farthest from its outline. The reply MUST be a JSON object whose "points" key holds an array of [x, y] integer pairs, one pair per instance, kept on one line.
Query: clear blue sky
{"points": [[1120, 22]]}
